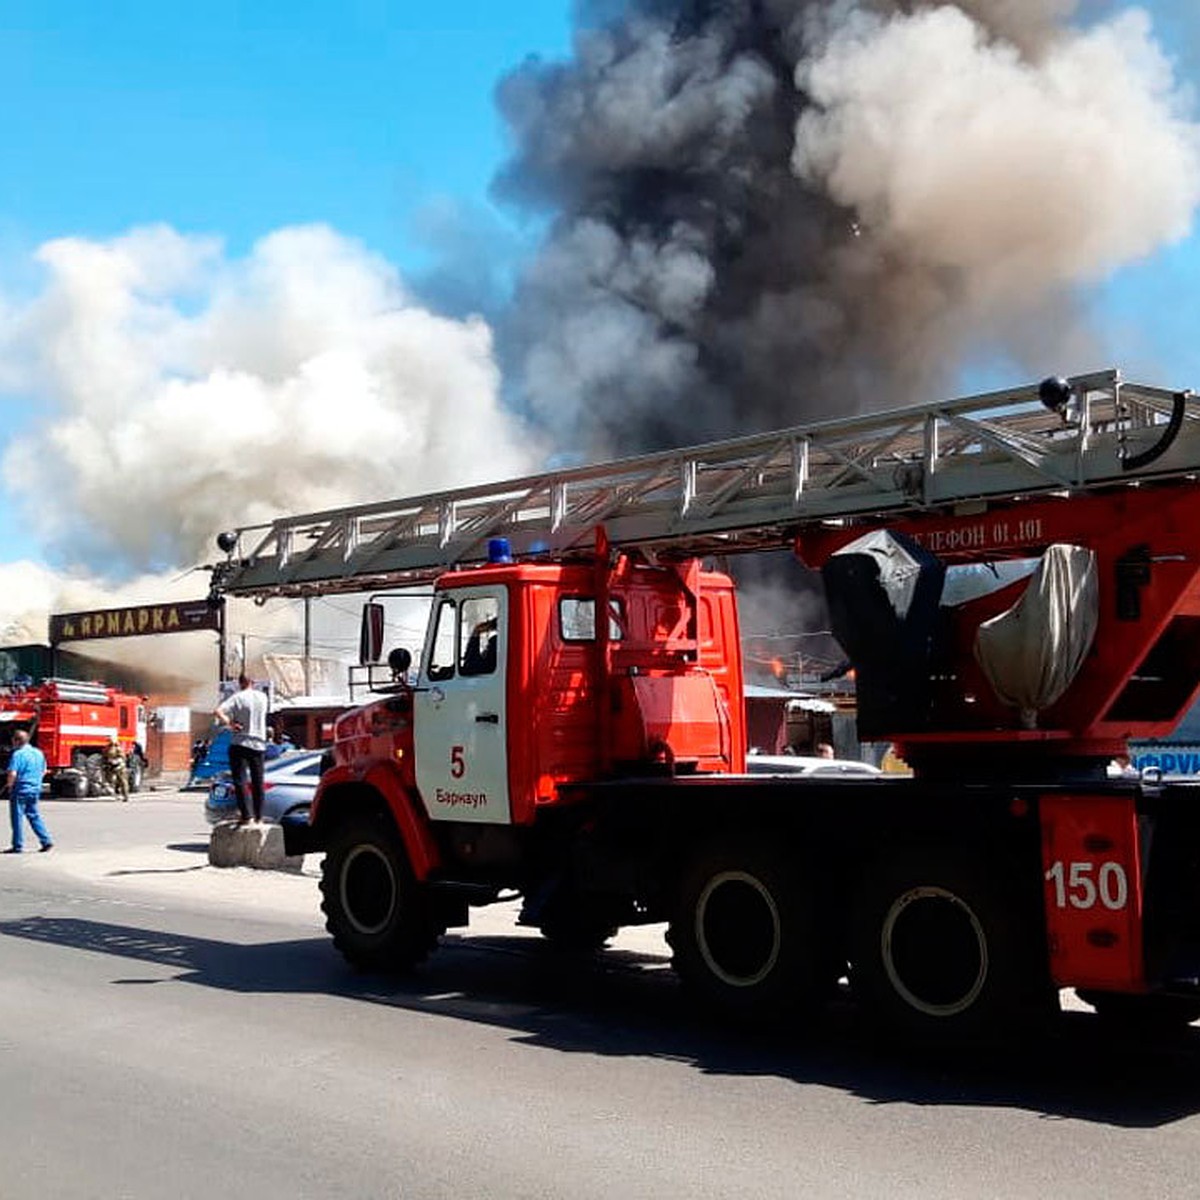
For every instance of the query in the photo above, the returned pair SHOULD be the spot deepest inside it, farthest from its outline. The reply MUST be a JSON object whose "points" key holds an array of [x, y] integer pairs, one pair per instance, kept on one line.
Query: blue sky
{"points": [[237, 119]]}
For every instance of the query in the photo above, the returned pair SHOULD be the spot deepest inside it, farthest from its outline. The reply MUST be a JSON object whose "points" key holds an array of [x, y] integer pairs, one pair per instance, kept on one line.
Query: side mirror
{"points": [[370, 637], [399, 661]]}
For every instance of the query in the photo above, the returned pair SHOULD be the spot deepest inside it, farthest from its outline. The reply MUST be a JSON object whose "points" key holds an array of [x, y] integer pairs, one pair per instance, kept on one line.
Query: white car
{"points": [[801, 764]]}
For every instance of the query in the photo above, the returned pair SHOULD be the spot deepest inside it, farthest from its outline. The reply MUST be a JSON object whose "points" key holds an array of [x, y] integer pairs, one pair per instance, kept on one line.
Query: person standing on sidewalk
{"points": [[26, 770], [245, 712]]}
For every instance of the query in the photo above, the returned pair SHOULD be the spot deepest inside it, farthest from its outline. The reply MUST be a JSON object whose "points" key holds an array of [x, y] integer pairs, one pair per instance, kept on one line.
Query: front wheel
{"points": [[378, 913], [939, 953], [745, 935]]}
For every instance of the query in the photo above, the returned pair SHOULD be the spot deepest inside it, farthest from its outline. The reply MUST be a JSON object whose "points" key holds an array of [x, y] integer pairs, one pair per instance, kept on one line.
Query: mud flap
{"points": [[1093, 891]]}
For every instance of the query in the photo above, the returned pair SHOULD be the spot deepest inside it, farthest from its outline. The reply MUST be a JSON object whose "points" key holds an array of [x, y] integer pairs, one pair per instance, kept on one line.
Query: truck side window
{"points": [[577, 619], [478, 634], [441, 648]]}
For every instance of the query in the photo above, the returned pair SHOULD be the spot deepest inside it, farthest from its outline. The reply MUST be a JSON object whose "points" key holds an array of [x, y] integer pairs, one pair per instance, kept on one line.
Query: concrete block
{"points": [[258, 846]]}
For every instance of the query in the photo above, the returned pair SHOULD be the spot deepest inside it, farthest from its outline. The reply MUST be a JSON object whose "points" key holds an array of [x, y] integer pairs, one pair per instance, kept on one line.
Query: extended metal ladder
{"points": [[744, 493]]}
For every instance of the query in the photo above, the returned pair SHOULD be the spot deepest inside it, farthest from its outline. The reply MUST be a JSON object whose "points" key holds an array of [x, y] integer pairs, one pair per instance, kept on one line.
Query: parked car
{"points": [[210, 758], [801, 764], [288, 786]]}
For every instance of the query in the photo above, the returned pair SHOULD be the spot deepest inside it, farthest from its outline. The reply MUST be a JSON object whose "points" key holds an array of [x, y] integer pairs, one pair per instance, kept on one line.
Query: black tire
{"points": [[380, 917], [94, 771], [745, 935], [1144, 1014], [940, 954], [70, 785]]}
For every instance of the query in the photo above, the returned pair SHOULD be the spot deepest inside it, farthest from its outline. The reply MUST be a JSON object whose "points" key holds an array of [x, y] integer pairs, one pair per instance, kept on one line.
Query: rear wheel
{"points": [[94, 770], [379, 915], [745, 935], [70, 785], [936, 950]]}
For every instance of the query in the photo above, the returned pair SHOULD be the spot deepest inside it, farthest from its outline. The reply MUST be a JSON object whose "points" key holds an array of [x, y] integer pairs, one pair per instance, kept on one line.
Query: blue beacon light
{"points": [[499, 550]]}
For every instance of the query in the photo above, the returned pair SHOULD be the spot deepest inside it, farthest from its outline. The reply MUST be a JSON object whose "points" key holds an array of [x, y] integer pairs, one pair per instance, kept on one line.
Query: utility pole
{"points": [[307, 645], [220, 642]]}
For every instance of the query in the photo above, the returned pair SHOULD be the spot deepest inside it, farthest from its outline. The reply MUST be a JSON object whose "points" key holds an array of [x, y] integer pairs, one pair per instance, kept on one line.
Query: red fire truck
{"points": [[1016, 579], [71, 722]]}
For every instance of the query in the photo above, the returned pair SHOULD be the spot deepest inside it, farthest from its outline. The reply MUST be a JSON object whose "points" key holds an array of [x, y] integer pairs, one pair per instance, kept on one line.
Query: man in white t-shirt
{"points": [[245, 712]]}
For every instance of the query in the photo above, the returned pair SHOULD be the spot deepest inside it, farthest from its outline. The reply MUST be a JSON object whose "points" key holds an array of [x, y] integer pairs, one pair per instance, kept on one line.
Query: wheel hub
{"points": [[738, 929], [368, 889], [934, 951]]}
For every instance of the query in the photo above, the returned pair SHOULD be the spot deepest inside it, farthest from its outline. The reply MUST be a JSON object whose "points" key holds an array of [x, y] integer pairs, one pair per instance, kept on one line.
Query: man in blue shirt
{"points": [[26, 769]]}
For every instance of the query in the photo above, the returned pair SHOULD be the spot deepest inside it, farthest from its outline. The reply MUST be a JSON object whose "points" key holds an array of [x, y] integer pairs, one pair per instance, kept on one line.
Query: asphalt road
{"points": [[170, 1029]]}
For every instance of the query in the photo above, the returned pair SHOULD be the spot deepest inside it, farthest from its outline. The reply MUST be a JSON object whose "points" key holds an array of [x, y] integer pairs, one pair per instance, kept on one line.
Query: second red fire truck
{"points": [[71, 722]]}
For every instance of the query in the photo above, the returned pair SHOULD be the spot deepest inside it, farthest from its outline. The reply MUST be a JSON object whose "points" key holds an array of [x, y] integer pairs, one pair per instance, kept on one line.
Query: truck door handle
{"points": [[488, 718]]}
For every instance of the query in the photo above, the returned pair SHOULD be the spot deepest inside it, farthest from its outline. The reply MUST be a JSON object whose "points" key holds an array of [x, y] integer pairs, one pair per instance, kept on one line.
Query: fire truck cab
{"points": [[507, 709]]}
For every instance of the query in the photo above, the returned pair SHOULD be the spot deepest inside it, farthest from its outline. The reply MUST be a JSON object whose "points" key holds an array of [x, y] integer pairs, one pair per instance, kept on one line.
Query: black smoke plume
{"points": [[762, 211]]}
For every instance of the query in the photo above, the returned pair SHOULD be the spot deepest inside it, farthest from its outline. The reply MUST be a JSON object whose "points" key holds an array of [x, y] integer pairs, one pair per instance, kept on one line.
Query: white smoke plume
{"points": [[763, 210], [955, 152], [186, 392], [181, 391], [32, 591]]}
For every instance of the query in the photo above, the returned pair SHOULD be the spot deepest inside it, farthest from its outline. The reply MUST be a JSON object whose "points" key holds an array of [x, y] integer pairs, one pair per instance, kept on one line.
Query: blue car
{"points": [[210, 760]]}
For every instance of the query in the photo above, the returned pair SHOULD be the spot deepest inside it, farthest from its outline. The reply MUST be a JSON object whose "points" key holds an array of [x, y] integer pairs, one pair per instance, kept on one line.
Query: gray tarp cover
{"points": [[1031, 652], [898, 570]]}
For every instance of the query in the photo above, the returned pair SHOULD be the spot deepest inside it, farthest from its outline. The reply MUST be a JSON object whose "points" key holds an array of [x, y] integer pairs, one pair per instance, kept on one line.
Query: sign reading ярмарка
{"points": [[183, 616]]}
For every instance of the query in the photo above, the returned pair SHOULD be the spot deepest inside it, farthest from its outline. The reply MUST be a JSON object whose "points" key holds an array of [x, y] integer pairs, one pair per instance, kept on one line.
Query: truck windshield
{"points": [[441, 645]]}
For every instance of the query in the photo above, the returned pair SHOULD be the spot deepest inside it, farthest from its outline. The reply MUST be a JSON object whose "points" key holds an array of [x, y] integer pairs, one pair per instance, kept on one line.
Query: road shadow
{"points": [[156, 870], [620, 1003]]}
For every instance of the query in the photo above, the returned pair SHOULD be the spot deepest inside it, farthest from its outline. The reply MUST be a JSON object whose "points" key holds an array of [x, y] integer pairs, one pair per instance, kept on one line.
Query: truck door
{"points": [[460, 723]]}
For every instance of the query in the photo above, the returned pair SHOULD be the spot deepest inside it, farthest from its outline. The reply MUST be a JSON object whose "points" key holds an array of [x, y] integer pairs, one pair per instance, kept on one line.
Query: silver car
{"points": [[799, 764], [288, 786]]}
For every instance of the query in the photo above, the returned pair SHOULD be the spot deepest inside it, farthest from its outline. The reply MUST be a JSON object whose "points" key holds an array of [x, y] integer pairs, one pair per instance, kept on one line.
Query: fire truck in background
{"points": [[71, 722], [1016, 580]]}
